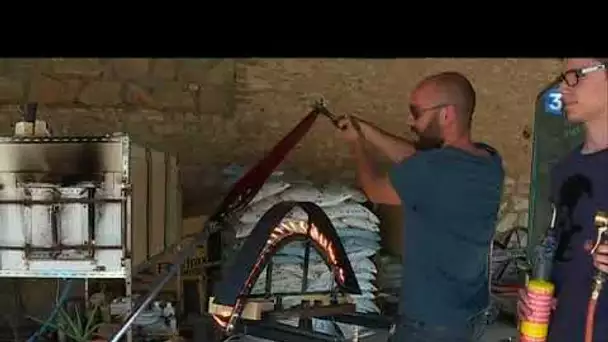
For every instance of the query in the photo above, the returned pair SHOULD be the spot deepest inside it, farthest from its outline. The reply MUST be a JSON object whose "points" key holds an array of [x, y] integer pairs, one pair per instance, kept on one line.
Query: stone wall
{"points": [[214, 112], [515, 204]]}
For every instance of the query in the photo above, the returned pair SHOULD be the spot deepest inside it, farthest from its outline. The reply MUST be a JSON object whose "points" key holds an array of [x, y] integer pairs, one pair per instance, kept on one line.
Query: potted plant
{"points": [[79, 327]]}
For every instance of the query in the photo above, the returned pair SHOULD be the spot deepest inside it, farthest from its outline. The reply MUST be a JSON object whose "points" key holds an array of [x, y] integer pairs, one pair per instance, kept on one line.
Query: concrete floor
{"points": [[497, 332]]}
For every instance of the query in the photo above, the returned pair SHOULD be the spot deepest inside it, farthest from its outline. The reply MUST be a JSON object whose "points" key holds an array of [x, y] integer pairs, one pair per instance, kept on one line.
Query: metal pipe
{"points": [[372, 321], [49, 321], [239, 196], [91, 222], [268, 285], [306, 257], [54, 212], [29, 112], [210, 228], [290, 294]]}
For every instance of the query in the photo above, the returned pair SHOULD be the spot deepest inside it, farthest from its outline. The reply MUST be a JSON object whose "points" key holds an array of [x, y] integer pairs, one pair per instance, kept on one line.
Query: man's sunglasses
{"points": [[573, 76], [417, 112]]}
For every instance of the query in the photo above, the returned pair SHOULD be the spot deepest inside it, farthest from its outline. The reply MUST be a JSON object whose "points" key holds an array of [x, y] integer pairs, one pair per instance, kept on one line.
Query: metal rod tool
{"points": [[241, 193]]}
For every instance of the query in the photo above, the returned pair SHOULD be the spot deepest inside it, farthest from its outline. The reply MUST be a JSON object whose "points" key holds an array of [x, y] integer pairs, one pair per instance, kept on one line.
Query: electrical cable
{"points": [[64, 297]]}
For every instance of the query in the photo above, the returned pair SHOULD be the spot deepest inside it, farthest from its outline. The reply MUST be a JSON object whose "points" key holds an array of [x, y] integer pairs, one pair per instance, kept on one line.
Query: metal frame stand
{"points": [[270, 328]]}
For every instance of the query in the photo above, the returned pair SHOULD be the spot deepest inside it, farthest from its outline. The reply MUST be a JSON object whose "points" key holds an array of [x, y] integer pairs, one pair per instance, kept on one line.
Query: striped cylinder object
{"points": [[536, 327]]}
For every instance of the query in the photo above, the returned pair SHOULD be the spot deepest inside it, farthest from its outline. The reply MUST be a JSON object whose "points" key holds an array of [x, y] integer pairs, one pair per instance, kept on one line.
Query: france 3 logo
{"points": [[553, 102]]}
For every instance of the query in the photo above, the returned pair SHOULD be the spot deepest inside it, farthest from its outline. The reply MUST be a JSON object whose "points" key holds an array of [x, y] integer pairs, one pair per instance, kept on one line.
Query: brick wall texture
{"points": [[217, 111]]}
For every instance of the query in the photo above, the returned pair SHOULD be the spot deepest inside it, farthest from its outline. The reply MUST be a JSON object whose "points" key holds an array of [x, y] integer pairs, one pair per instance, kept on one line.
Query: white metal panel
{"points": [[109, 217], [51, 239], [37, 217], [29, 226], [74, 217], [46, 229], [12, 215]]}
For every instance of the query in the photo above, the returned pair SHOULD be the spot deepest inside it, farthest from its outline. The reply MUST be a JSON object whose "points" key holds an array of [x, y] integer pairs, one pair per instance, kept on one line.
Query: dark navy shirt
{"points": [[579, 188], [450, 199]]}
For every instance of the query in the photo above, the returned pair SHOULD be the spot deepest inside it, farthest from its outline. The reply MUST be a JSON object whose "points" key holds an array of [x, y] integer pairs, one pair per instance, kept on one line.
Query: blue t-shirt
{"points": [[450, 200], [579, 188]]}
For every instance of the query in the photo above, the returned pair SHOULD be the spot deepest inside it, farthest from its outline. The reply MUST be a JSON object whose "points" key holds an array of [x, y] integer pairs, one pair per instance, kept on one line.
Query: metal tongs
{"points": [[320, 106]]}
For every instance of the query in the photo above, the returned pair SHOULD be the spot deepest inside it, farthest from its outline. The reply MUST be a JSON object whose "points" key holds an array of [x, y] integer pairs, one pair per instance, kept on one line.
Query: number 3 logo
{"points": [[553, 104]]}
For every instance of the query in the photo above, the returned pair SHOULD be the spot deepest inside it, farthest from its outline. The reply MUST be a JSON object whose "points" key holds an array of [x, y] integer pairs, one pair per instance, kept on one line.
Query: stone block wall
{"points": [[514, 208], [214, 112], [219, 111]]}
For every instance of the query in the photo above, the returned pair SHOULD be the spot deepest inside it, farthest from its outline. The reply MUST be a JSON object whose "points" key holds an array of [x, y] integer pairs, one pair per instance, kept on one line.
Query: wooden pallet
{"points": [[256, 308]]}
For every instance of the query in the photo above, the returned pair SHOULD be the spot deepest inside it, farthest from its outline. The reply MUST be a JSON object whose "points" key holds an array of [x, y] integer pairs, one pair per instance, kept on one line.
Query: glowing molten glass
{"points": [[285, 230]]}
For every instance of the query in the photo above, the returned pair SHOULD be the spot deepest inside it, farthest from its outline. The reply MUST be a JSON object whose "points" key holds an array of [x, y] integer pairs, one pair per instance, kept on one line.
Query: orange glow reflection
{"points": [[289, 228], [301, 227], [219, 320], [283, 231]]}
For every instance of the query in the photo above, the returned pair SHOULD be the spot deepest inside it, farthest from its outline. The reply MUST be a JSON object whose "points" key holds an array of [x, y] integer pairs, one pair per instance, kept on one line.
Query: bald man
{"points": [[449, 188]]}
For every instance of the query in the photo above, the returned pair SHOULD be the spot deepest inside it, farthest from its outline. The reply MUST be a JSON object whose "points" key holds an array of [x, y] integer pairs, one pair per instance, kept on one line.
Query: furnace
{"points": [[83, 207]]}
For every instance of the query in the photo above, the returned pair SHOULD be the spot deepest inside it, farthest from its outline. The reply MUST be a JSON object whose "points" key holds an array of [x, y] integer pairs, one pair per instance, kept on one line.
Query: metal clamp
{"points": [[319, 103], [320, 106]]}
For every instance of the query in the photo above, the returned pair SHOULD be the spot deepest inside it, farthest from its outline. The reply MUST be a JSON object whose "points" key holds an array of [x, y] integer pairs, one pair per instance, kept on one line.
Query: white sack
{"points": [[270, 189], [351, 209], [346, 191], [361, 223], [352, 232], [255, 211]]}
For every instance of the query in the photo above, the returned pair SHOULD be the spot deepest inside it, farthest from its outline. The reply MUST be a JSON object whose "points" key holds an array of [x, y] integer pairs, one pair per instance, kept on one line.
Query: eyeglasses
{"points": [[417, 112], [572, 77]]}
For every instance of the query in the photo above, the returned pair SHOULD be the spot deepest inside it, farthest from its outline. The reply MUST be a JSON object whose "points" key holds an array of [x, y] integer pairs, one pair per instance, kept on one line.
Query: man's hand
{"points": [[600, 258], [523, 305], [348, 128]]}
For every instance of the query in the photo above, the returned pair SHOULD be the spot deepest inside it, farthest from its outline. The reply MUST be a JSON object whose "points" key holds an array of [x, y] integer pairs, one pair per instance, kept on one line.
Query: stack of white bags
{"points": [[356, 225]]}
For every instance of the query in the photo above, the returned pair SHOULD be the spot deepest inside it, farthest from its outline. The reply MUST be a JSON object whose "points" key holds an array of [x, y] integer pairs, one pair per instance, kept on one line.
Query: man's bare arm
{"points": [[376, 186], [392, 146]]}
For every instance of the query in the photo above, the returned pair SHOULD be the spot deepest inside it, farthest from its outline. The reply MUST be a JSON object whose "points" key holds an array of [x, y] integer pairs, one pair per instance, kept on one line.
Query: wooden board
{"points": [[253, 309], [256, 307], [156, 202], [139, 212]]}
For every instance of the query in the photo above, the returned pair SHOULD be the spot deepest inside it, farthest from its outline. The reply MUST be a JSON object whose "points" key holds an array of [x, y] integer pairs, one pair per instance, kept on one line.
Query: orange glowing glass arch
{"points": [[267, 237]]}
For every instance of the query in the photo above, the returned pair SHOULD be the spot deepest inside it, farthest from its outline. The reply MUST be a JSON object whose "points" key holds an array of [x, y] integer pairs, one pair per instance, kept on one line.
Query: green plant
{"points": [[75, 327]]}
